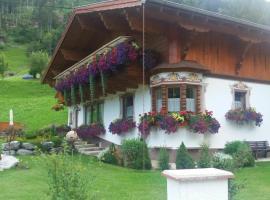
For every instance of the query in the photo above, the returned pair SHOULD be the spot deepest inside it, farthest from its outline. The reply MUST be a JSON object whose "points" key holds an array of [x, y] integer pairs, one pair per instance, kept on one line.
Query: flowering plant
{"points": [[198, 123], [203, 123], [122, 54], [120, 126], [88, 131], [241, 116]]}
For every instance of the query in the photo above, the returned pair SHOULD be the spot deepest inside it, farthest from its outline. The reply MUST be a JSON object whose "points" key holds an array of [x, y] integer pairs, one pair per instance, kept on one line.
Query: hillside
{"points": [[30, 100]]}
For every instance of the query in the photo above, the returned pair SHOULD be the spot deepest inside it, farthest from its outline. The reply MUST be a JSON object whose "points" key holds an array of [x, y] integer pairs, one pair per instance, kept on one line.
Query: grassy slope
{"points": [[31, 103], [30, 100], [113, 183], [16, 58]]}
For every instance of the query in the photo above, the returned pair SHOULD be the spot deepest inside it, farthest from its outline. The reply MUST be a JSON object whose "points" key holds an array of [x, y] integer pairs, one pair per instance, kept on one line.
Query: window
{"points": [[174, 99], [94, 113], [181, 97], [127, 107], [191, 98], [158, 99], [240, 99]]}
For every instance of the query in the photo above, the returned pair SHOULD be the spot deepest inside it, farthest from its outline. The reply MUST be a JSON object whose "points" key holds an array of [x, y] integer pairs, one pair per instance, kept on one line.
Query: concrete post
{"points": [[197, 184]]}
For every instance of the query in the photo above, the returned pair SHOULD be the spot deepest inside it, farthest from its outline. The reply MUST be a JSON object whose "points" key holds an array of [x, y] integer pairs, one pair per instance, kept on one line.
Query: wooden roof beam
{"points": [[85, 26], [134, 20], [243, 52], [114, 22], [202, 25], [73, 55], [187, 42]]}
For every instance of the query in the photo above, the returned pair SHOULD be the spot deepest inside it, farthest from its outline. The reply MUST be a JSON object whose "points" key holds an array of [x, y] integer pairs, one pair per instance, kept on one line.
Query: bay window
{"points": [[176, 97]]}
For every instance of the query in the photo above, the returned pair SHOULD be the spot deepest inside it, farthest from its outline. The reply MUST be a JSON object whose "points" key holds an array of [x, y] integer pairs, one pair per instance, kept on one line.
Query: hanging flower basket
{"points": [[89, 131], [122, 54], [199, 123], [121, 126], [248, 116]]}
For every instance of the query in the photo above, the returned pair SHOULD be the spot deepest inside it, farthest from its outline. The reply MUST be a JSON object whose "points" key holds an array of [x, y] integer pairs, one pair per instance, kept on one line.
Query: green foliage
{"points": [[163, 159], [232, 147], [67, 178], [205, 157], [109, 155], [241, 153], [223, 161], [244, 158], [38, 61], [183, 159], [135, 154], [234, 188], [3, 65]]}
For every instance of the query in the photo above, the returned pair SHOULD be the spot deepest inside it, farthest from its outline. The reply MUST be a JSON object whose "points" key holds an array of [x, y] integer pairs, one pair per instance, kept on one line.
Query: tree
{"points": [[183, 159], [3, 65], [38, 61]]}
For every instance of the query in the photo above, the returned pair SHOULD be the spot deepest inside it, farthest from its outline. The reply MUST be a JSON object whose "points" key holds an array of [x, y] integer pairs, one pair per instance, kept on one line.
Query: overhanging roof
{"points": [[235, 23]]}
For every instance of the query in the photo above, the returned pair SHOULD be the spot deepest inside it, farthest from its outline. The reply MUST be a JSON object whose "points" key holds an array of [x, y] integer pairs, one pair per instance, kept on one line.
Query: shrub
{"points": [[67, 179], [135, 154], [57, 141], [232, 147], [109, 156], [38, 61], [241, 153], [183, 159], [205, 157], [163, 159], [243, 157], [223, 161]]}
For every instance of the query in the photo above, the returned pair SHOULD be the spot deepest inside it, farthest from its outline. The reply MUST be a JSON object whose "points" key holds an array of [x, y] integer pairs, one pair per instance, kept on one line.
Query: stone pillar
{"points": [[197, 184]]}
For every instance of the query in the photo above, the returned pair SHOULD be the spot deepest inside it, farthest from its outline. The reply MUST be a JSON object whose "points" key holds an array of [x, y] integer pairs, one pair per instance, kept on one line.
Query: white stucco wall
{"points": [[217, 97]]}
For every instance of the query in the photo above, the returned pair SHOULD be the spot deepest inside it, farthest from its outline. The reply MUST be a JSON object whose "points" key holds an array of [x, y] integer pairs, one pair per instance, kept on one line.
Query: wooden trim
{"points": [[183, 96], [154, 99], [164, 93], [198, 98]]}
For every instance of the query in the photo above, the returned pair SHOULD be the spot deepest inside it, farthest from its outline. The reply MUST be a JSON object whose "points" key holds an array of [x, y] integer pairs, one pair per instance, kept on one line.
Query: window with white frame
{"points": [[94, 113], [241, 95], [127, 106], [173, 99], [158, 99], [191, 98], [240, 100]]}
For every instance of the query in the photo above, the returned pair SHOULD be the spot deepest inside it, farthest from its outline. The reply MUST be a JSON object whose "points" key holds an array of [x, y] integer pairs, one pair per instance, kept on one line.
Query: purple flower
{"points": [[121, 126], [89, 131]]}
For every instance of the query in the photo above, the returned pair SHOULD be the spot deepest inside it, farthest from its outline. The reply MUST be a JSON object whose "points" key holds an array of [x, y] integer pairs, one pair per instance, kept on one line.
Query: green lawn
{"points": [[110, 182], [31, 103], [114, 183], [16, 58]]}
